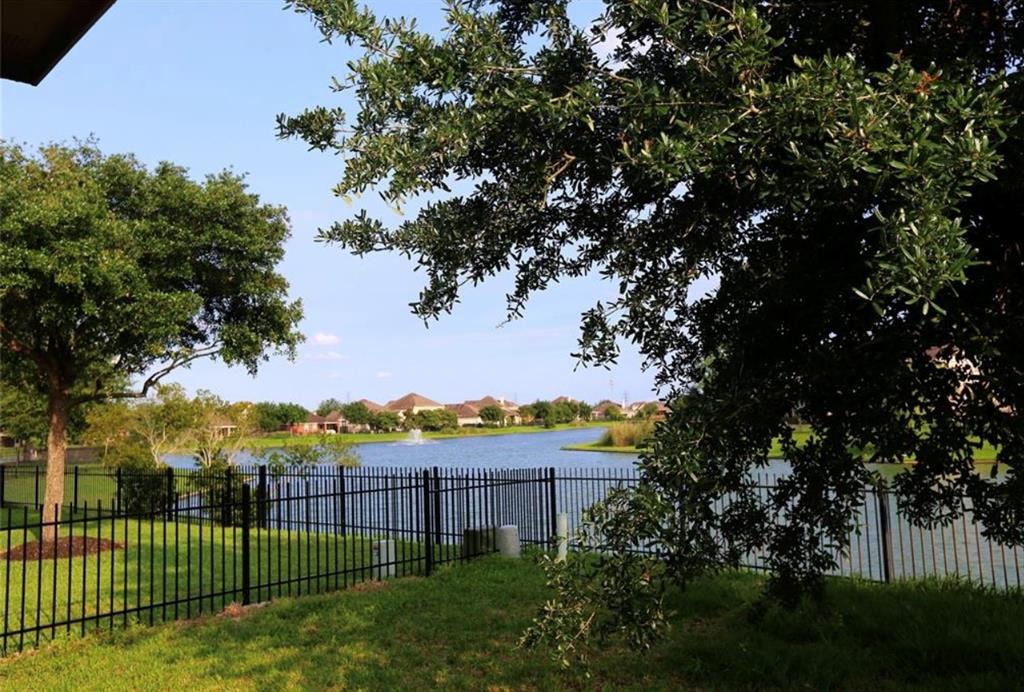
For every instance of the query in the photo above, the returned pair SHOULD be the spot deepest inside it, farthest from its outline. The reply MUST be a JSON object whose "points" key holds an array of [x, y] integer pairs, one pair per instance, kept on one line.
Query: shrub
{"points": [[143, 483], [220, 487], [627, 434]]}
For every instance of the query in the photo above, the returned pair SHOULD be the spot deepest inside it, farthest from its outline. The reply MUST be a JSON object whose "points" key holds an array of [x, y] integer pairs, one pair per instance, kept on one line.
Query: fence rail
{"points": [[160, 545]]}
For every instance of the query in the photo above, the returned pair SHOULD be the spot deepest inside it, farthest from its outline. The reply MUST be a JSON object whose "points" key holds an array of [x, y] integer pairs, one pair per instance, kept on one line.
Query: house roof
{"points": [[315, 418], [491, 401], [563, 400], [640, 404], [371, 405], [605, 405], [463, 410], [412, 400], [36, 34], [333, 417]]}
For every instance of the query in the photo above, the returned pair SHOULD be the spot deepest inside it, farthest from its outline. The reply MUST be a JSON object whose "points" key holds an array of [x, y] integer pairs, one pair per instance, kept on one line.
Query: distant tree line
{"points": [[271, 415], [549, 413]]}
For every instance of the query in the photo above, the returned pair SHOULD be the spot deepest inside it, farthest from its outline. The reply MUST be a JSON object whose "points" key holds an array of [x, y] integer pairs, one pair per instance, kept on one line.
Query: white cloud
{"points": [[325, 339], [384, 375]]}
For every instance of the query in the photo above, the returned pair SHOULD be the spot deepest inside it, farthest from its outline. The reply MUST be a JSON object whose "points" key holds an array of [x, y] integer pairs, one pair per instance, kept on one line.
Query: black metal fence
{"points": [[883, 545], [206, 539], [155, 546]]}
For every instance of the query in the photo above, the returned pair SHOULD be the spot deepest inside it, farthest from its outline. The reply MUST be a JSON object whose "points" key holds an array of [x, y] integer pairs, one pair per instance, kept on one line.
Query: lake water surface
{"points": [[528, 450]]}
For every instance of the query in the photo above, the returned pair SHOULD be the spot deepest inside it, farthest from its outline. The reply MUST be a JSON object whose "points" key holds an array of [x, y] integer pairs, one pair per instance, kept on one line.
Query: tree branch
{"points": [[151, 381], [18, 347]]}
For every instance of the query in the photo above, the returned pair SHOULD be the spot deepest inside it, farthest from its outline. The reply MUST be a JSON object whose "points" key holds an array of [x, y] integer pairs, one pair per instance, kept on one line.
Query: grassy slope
{"points": [[276, 440], [458, 630]]}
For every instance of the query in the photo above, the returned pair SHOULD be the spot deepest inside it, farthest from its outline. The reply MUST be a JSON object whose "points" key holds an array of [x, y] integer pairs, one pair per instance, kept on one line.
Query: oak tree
{"points": [[847, 178], [112, 270]]}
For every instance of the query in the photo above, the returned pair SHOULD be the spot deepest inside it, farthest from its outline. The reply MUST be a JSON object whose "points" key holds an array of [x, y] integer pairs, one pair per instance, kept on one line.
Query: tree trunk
{"points": [[56, 454]]}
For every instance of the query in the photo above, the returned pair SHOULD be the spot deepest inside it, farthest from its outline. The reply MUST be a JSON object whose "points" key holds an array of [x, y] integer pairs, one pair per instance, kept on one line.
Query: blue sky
{"points": [[200, 84]]}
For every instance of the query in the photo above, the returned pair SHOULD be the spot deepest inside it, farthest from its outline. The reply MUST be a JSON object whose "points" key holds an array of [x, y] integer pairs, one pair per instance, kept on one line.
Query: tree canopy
{"points": [[328, 405], [271, 416], [357, 413], [845, 176], [112, 271], [492, 414]]}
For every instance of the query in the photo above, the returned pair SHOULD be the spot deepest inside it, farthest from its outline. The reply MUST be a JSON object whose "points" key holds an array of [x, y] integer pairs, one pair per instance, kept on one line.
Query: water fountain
{"points": [[415, 437]]}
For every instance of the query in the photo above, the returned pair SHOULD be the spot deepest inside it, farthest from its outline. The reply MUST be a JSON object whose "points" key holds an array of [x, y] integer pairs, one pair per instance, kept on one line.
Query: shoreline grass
{"points": [[458, 629], [595, 447]]}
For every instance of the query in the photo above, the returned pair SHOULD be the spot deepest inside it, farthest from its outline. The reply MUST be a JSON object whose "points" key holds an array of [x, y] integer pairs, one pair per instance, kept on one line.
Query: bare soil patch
{"points": [[236, 611], [62, 547]]}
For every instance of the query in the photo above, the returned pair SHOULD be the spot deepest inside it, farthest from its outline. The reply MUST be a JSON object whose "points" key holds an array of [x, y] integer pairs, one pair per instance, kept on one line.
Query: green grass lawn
{"points": [[94, 484], [146, 574], [458, 630]]}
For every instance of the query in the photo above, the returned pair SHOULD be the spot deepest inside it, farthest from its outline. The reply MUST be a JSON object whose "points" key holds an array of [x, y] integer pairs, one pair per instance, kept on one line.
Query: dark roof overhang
{"points": [[36, 34]]}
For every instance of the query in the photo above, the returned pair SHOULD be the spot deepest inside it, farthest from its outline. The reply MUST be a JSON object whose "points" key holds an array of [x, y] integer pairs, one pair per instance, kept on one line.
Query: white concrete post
{"points": [[562, 531], [382, 559], [508, 541]]}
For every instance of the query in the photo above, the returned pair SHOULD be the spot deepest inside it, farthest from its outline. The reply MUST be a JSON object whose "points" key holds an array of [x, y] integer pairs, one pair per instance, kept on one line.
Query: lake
{"points": [[529, 450]]}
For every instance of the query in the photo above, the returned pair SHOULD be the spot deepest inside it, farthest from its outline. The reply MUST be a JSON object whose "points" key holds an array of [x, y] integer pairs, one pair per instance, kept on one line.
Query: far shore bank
{"points": [[595, 447], [278, 440], [985, 455]]}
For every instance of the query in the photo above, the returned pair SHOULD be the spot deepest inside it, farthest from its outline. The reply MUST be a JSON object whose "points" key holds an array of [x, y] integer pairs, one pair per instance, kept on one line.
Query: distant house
{"points": [[333, 422], [307, 427], [371, 406], [633, 410], [563, 400], [466, 413], [224, 429], [413, 402], [509, 409], [602, 409]]}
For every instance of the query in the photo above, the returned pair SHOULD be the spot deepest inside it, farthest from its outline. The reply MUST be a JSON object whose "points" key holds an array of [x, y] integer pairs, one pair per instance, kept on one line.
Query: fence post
{"points": [[170, 490], [74, 501], [3, 474], [552, 500], [436, 513], [261, 498], [117, 505], [341, 500], [245, 543], [428, 533], [882, 506], [36, 497], [225, 512]]}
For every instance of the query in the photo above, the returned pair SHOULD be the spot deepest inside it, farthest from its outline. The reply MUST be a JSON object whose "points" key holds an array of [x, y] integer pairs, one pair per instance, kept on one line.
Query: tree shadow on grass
{"points": [[407, 634], [459, 627]]}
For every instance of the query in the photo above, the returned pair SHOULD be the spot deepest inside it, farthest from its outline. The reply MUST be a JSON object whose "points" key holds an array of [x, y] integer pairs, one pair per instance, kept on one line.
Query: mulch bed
{"points": [[73, 547]]}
